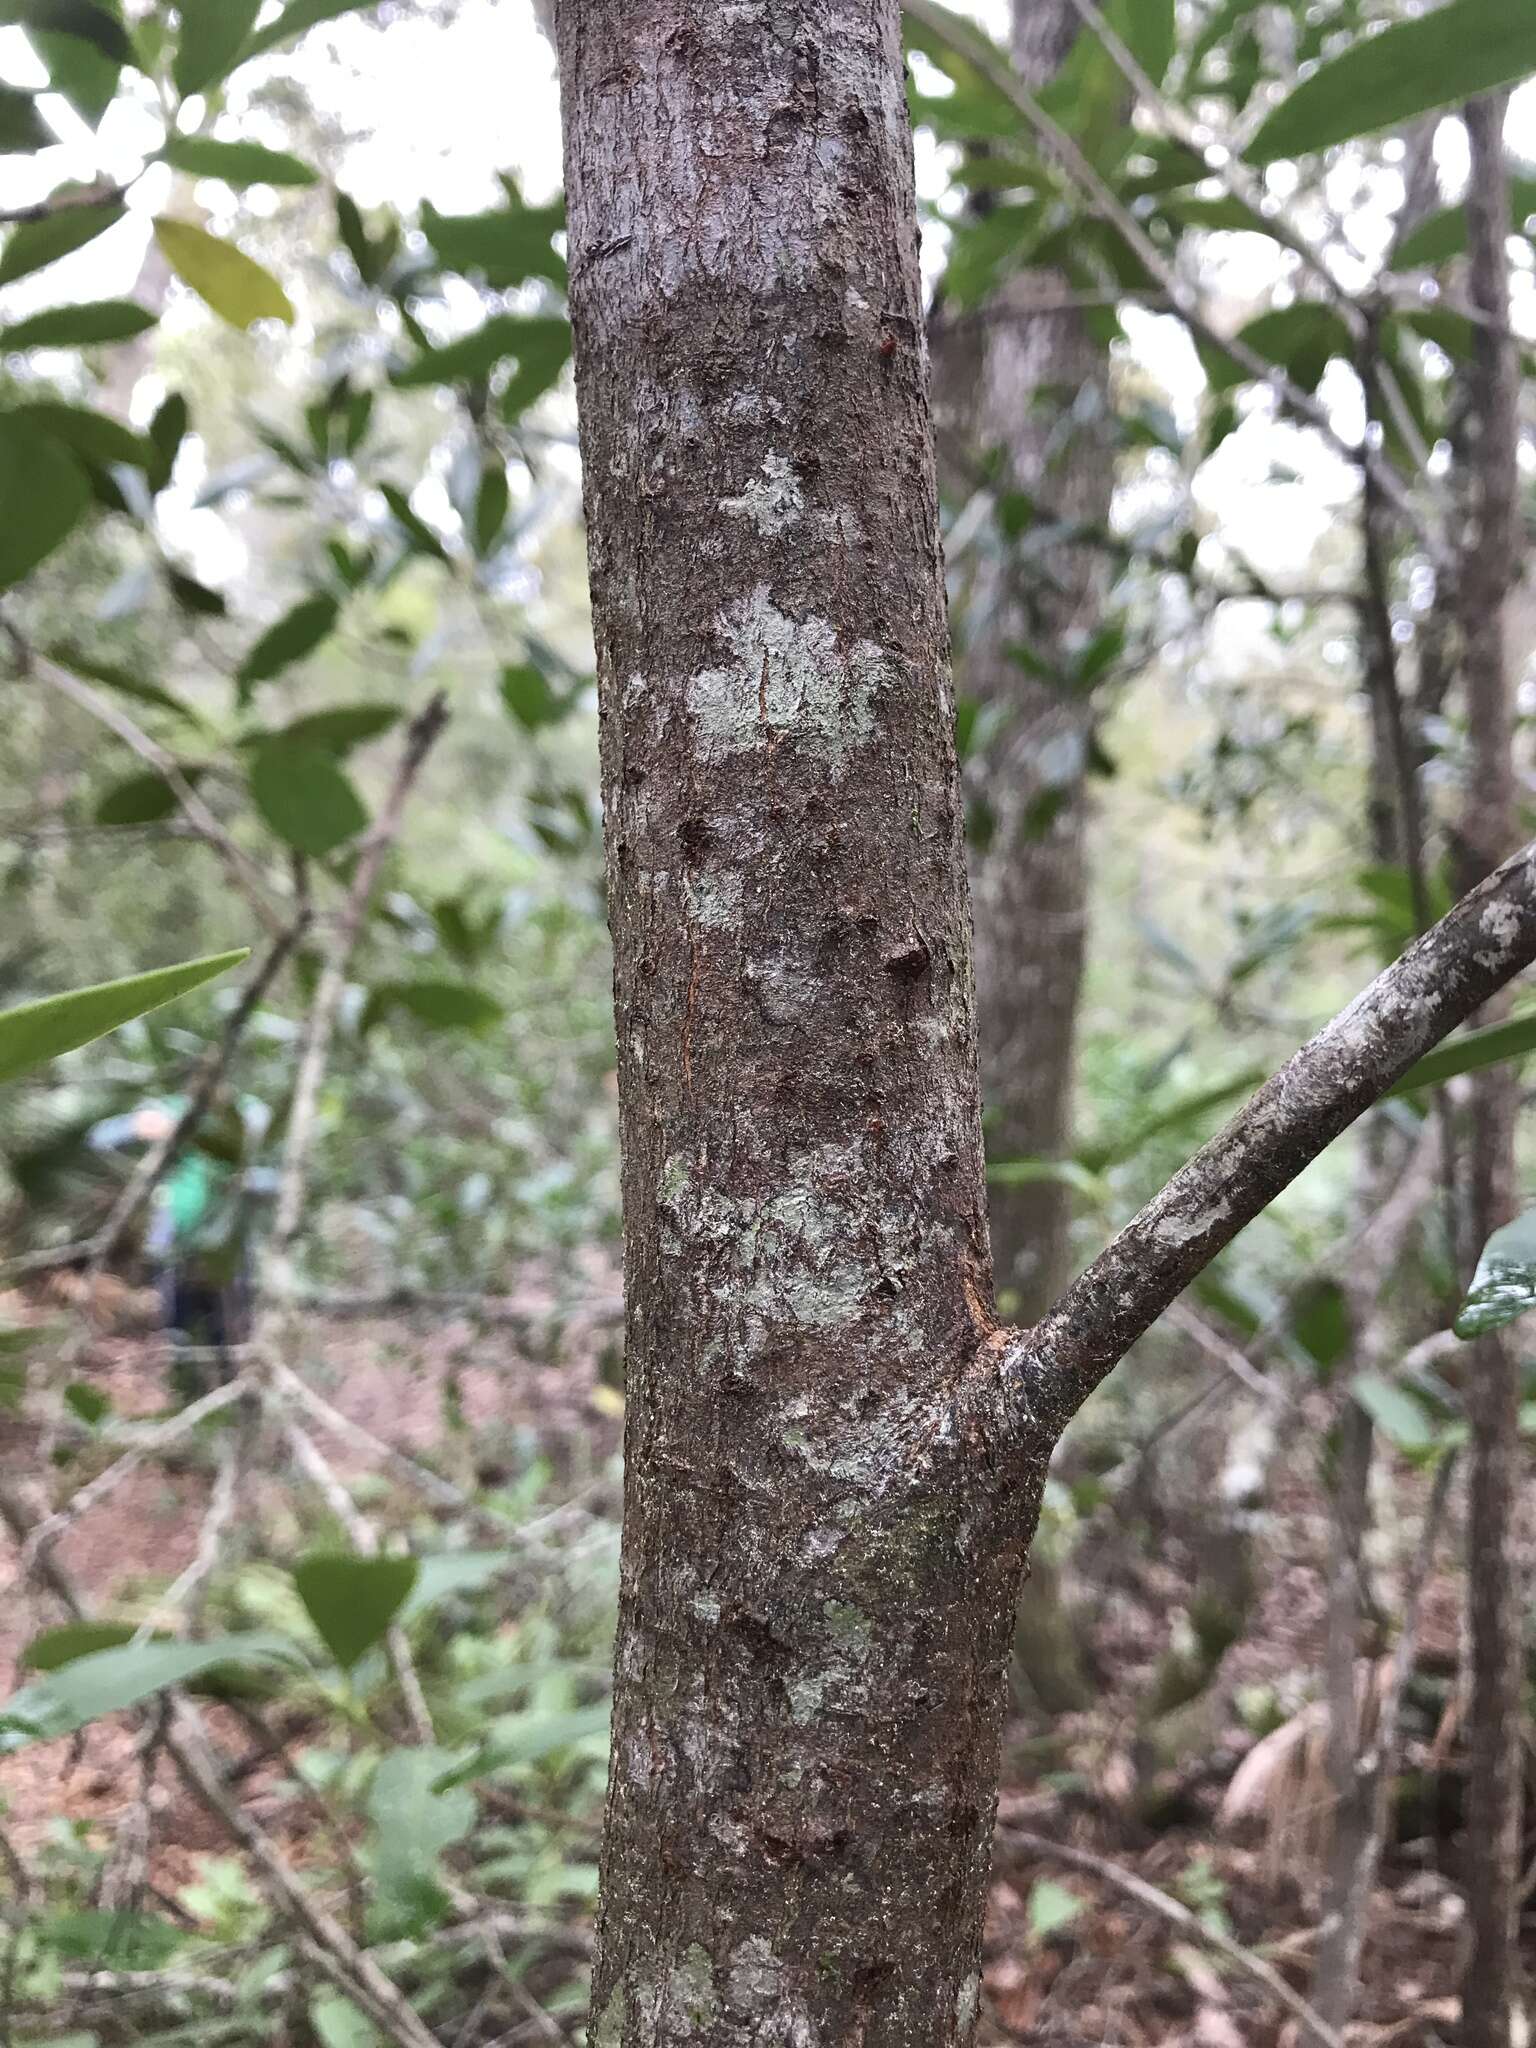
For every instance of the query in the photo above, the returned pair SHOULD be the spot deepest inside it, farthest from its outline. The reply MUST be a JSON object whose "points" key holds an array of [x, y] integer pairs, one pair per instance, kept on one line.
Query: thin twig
{"points": [[1189, 1924], [241, 869]]}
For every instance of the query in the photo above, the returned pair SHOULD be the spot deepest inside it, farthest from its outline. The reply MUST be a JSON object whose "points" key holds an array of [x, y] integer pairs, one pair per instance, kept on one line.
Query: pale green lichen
{"points": [[754, 1981], [968, 2003], [689, 2001], [609, 2030], [772, 501], [787, 677]]}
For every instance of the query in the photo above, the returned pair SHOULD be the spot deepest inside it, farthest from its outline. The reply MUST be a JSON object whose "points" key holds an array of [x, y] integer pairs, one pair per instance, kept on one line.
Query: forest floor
{"points": [[1071, 1960]]}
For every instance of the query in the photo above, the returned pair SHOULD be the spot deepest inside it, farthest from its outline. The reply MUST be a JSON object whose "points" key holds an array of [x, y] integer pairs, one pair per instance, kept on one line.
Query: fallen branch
{"points": [[1189, 1924]]}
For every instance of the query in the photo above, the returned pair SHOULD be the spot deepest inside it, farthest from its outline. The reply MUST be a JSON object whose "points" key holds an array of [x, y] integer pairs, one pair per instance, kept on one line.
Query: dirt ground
{"points": [[1111, 1973]]}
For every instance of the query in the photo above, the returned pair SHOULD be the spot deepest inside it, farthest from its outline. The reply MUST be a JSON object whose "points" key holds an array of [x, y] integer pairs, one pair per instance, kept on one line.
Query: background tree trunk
{"points": [[1032, 385], [1490, 567], [820, 1565]]}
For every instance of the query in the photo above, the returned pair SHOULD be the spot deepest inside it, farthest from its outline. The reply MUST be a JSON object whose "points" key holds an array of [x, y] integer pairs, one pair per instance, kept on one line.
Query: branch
{"points": [[243, 872], [1189, 1924], [1446, 975]]}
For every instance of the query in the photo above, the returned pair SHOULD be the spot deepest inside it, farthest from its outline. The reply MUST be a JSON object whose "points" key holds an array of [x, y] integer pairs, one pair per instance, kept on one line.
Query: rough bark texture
{"points": [[1039, 398], [833, 1459], [821, 1551], [1489, 827]]}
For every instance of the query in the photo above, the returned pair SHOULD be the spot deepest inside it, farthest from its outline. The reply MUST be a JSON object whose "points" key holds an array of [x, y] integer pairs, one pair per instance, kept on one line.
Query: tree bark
{"points": [[816, 1599], [1489, 571], [834, 1458], [1037, 393]]}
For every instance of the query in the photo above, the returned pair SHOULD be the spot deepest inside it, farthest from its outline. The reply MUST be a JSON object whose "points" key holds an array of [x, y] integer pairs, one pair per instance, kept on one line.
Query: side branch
{"points": [[1482, 943]]}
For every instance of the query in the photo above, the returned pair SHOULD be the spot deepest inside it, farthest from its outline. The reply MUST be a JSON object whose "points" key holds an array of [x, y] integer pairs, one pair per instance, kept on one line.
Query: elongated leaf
{"points": [[88, 325], [237, 163], [420, 537], [448, 1005], [84, 45], [38, 1032], [1444, 234], [299, 15], [1397, 1413], [224, 277], [506, 247], [297, 633], [123, 681], [44, 493], [1301, 339], [527, 694], [491, 502], [452, 1571], [34, 243], [414, 1821], [306, 799], [97, 22], [109, 1680], [1472, 1050], [473, 355], [95, 435], [212, 35], [59, 1646], [1504, 1285], [352, 1600], [1410, 68], [340, 729], [543, 345], [23, 131], [143, 799]]}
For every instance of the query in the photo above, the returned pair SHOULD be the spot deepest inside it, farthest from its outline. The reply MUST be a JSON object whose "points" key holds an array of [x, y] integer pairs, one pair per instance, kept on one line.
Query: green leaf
{"points": [[143, 799], [543, 347], [88, 1403], [55, 1647], [452, 1571], [88, 325], [237, 163], [44, 494], [123, 681], [448, 1005], [224, 277], [212, 35], [94, 435], [167, 431], [353, 1600], [491, 502], [23, 131], [419, 535], [1051, 1908], [472, 355], [527, 694], [1410, 68], [1504, 1286], [1302, 339], [414, 1822], [1444, 235], [306, 799], [1402, 1420], [33, 243], [338, 2023], [1067, 1173], [299, 15], [37, 1032], [505, 248], [338, 730], [1470, 1052], [84, 46], [108, 1680], [297, 633]]}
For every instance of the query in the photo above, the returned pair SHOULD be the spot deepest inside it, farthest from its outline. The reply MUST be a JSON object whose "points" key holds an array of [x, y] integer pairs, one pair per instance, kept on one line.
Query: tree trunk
{"points": [[833, 1458], [1039, 395], [816, 1597], [1489, 571]]}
